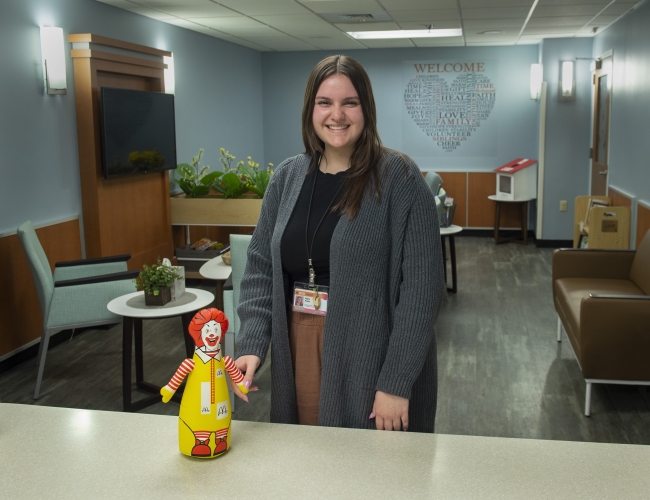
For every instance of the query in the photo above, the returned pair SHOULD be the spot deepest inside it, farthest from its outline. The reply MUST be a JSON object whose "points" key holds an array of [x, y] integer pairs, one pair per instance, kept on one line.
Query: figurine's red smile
{"points": [[212, 341]]}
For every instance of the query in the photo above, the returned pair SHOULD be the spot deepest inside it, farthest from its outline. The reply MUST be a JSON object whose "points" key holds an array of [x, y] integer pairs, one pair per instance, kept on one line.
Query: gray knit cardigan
{"points": [[386, 286]]}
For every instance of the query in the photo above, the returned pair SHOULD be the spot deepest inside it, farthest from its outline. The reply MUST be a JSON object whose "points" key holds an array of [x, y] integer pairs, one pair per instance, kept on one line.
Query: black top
{"points": [[295, 264]]}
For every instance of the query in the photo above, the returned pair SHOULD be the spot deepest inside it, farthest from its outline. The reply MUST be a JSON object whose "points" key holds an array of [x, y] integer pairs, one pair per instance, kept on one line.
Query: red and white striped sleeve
{"points": [[186, 367], [235, 374]]}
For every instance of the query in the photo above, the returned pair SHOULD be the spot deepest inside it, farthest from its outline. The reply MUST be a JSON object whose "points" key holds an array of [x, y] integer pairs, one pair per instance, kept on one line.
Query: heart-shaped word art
{"points": [[449, 112]]}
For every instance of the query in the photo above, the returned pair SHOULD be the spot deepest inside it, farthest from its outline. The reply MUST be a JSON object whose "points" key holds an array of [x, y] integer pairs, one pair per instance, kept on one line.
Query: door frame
{"points": [[605, 55]]}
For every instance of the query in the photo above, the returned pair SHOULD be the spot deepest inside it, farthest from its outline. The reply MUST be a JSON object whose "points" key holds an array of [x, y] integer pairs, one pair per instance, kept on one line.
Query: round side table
{"points": [[217, 269], [497, 220], [449, 232], [131, 307]]}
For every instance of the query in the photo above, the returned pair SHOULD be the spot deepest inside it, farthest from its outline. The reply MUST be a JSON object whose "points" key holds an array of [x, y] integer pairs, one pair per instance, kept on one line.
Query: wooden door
{"points": [[602, 81]]}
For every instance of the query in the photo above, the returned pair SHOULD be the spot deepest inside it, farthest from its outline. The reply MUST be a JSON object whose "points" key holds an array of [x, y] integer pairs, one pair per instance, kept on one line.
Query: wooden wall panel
{"points": [[20, 310], [455, 184], [619, 199], [481, 210], [642, 223], [128, 214]]}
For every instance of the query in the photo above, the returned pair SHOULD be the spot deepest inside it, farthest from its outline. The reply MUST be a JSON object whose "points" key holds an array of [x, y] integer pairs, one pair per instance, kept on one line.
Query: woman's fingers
{"points": [[237, 391], [391, 412]]}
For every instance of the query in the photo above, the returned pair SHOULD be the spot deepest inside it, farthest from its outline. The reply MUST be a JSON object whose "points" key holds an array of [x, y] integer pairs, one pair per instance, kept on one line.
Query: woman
{"points": [[357, 217]]}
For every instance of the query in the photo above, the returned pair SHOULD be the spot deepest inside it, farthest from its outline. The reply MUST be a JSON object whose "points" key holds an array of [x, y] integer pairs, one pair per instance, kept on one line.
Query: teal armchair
{"points": [[77, 294], [238, 249], [434, 181]]}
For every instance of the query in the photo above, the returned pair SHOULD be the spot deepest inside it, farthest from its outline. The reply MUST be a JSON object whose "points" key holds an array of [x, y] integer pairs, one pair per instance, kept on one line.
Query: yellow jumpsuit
{"points": [[206, 404]]}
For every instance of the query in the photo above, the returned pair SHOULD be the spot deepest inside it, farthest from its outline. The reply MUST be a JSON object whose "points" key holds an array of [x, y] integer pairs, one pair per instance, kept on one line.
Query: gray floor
{"points": [[501, 371]]}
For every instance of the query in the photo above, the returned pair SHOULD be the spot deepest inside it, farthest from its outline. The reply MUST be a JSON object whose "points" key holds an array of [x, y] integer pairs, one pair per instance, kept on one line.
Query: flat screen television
{"points": [[138, 132]]}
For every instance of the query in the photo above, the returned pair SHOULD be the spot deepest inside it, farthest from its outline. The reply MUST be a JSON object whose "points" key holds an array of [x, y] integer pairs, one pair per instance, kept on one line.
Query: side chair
{"points": [[77, 294]]}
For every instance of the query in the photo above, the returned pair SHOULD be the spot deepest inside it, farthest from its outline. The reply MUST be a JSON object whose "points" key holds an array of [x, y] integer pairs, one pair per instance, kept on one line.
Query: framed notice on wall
{"points": [[449, 108]]}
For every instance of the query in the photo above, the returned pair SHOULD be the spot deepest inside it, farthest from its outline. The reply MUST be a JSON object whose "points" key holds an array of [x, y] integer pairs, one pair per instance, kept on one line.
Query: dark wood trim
{"points": [[112, 42], [109, 56]]}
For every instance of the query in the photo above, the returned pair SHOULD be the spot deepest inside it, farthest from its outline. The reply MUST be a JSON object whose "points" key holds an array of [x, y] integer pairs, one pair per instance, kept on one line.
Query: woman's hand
{"points": [[248, 365], [391, 413]]}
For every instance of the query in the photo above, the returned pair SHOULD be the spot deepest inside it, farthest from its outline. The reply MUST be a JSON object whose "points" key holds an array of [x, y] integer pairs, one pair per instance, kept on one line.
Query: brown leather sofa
{"points": [[602, 298]]}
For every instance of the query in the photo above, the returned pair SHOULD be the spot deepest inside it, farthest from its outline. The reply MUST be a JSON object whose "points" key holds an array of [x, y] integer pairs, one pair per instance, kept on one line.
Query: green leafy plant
{"points": [[153, 278], [195, 179], [242, 178]]}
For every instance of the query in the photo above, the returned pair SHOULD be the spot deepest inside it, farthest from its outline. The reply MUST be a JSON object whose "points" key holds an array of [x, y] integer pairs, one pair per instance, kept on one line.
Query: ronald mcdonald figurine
{"points": [[205, 406]]}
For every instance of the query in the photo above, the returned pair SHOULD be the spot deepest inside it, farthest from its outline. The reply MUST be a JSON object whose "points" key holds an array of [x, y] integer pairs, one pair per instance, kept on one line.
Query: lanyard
{"points": [[312, 273]]}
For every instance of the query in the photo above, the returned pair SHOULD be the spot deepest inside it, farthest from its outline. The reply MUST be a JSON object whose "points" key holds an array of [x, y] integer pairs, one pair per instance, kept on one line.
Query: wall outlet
{"points": [[563, 205]]}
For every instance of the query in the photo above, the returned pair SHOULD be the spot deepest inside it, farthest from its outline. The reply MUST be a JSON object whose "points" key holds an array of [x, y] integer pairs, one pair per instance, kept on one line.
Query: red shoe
{"points": [[221, 447], [201, 450]]}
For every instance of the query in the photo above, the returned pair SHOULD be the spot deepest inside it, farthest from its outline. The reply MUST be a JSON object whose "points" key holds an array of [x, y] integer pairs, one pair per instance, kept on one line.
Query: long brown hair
{"points": [[364, 162]]}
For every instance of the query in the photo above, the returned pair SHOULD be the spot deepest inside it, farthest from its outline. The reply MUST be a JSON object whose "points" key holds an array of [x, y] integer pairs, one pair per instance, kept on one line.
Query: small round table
{"points": [[449, 232], [217, 269], [497, 220], [131, 307]]}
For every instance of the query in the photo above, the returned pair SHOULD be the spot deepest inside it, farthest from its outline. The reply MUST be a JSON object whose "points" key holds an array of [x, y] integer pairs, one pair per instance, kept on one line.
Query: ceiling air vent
{"points": [[356, 18]]}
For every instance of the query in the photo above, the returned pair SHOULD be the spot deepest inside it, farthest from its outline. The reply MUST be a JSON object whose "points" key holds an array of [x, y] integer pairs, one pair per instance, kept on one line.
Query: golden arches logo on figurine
{"points": [[205, 413]]}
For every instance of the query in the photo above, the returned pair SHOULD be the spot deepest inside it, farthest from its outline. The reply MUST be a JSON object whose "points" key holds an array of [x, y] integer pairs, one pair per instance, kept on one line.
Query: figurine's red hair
{"points": [[201, 318]]}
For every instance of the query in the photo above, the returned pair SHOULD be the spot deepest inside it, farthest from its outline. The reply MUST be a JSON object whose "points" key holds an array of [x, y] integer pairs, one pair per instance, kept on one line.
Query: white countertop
{"points": [[65, 453]]}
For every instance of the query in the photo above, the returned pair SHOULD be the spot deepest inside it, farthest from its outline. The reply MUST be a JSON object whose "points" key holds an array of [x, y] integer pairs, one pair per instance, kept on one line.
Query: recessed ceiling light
{"points": [[491, 32], [368, 35]]}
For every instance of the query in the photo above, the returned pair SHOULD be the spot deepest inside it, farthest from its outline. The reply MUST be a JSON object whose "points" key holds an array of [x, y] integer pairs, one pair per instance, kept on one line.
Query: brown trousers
{"points": [[306, 339]]}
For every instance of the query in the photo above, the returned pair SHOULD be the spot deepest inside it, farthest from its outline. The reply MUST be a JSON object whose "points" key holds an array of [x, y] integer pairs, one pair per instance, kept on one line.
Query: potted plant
{"points": [[156, 281]]}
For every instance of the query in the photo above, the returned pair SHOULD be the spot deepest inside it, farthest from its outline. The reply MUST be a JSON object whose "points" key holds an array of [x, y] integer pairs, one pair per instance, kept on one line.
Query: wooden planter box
{"points": [[164, 296], [215, 211]]}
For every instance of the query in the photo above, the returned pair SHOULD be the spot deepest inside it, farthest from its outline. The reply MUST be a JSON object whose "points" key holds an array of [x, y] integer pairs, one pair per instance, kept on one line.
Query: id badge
{"points": [[310, 299]]}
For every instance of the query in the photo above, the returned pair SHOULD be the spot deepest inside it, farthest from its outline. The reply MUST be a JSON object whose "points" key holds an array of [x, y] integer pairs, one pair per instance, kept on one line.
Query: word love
{"points": [[449, 112]]}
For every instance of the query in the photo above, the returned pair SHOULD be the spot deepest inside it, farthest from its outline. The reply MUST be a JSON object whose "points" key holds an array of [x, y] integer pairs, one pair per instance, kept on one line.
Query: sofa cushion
{"points": [[640, 271], [571, 291]]}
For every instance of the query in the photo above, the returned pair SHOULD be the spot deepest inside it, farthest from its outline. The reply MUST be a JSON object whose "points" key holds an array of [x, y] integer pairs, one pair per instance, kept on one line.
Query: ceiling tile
{"points": [[196, 11], [552, 30], [567, 10], [496, 13], [388, 44], [345, 43], [153, 14], [227, 23], [170, 3], [341, 6], [604, 20], [473, 25], [306, 24], [438, 25], [472, 4], [573, 2], [367, 26], [283, 43], [489, 44], [264, 7], [558, 21], [397, 5], [456, 41], [250, 32], [432, 15]]}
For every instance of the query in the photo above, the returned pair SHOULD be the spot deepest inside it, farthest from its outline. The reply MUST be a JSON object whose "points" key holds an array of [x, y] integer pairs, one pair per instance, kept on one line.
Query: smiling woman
{"points": [[344, 271]]}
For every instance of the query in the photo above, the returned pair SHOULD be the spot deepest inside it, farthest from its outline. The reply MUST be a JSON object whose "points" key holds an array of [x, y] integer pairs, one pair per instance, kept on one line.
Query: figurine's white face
{"points": [[211, 335]]}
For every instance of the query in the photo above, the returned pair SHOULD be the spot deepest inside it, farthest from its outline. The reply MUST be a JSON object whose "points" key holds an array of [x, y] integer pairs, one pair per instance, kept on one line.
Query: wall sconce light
{"points": [[53, 56], [170, 78], [567, 81], [535, 80]]}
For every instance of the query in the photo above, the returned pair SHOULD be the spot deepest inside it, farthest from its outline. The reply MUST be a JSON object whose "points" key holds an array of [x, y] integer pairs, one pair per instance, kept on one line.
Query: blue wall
{"points": [[568, 135], [515, 115], [218, 102], [629, 39]]}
